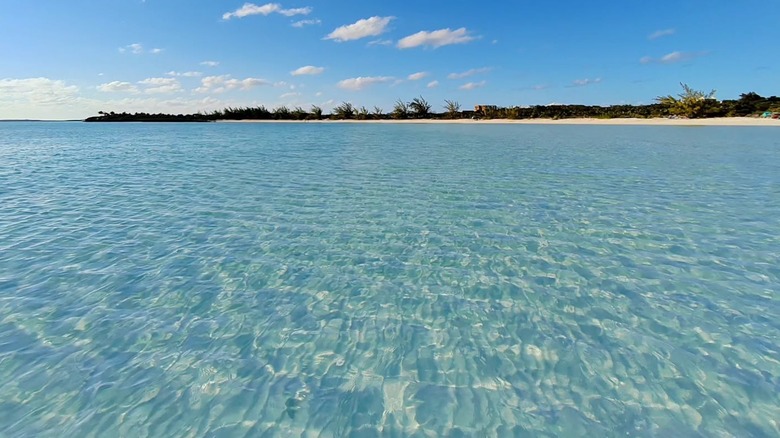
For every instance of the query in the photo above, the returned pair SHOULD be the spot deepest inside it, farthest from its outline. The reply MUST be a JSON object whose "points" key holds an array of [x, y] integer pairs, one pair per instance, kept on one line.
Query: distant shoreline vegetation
{"points": [[688, 104]]}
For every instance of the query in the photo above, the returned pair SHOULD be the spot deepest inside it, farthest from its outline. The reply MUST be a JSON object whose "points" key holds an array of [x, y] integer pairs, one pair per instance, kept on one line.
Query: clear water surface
{"points": [[388, 280]]}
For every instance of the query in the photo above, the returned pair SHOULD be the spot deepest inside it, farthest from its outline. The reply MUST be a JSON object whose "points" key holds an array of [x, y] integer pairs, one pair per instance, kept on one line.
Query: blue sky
{"points": [[72, 58]]}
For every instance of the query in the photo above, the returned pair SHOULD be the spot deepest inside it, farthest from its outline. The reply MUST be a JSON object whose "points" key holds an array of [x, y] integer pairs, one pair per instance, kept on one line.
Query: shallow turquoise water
{"points": [[373, 280]]}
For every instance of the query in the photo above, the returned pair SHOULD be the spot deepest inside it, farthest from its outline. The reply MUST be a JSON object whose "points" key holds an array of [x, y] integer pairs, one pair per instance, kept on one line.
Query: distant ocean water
{"points": [[388, 280]]}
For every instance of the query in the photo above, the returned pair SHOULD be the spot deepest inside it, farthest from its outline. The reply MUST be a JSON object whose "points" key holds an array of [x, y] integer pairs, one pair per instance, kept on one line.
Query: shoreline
{"points": [[719, 121]]}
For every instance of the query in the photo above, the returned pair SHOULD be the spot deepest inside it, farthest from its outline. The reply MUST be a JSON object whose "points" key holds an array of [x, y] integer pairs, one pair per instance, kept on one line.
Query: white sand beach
{"points": [[722, 121]]}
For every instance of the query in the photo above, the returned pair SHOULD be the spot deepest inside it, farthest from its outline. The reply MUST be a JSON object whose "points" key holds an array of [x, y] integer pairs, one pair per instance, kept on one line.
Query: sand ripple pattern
{"points": [[330, 281]]}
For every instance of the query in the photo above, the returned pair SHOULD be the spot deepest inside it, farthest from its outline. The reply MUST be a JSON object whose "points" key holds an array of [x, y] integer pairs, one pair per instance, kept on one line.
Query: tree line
{"points": [[689, 103]]}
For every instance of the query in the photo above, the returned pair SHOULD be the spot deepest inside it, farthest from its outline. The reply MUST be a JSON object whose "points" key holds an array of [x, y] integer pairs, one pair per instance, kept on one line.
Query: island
{"points": [[689, 104]]}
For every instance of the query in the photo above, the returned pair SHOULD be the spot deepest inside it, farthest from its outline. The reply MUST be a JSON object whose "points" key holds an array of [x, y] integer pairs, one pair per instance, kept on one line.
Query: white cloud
{"points": [[185, 74], [252, 9], [289, 95], [472, 85], [219, 84], [539, 87], [671, 58], [138, 49], [117, 87], [154, 104], [44, 98], [266, 9], [674, 57], [212, 84], [360, 29], [158, 104], [585, 82], [437, 38], [380, 42], [245, 84], [359, 83], [433, 84], [307, 70], [468, 73], [302, 23], [417, 76], [158, 81], [41, 98], [39, 91], [135, 49], [210, 63], [295, 11], [161, 85], [661, 33]]}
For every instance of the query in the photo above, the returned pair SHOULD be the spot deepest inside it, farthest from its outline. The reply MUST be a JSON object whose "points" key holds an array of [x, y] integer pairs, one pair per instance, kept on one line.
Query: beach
{"points": [[719, 121]]}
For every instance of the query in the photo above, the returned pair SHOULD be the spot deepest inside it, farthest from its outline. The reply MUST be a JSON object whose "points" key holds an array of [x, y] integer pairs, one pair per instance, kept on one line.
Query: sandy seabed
{"points": [[722, 121]]}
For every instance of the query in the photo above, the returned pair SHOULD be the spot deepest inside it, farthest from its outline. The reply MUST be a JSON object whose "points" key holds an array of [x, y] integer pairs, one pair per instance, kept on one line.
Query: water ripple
{"points": [[328, 280]]}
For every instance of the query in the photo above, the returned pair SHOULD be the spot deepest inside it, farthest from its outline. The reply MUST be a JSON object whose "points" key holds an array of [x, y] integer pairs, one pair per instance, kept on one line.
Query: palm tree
{"points": [[299, 114], [378, 112], [362, 113], [316, 112], [400, 109], [453, 108], [282, 113], [420, 107], [344, 111]]}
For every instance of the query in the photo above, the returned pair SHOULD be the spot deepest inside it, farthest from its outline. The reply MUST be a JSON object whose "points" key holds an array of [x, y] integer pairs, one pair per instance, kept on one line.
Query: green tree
{"points": [[299, 114], [400, 110], [316, 112], [378, 112], [362, 113], [420, 107], [512, 113], [452, 107], [282, 113], [690, 103], [752, 103], [344, 111]]}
